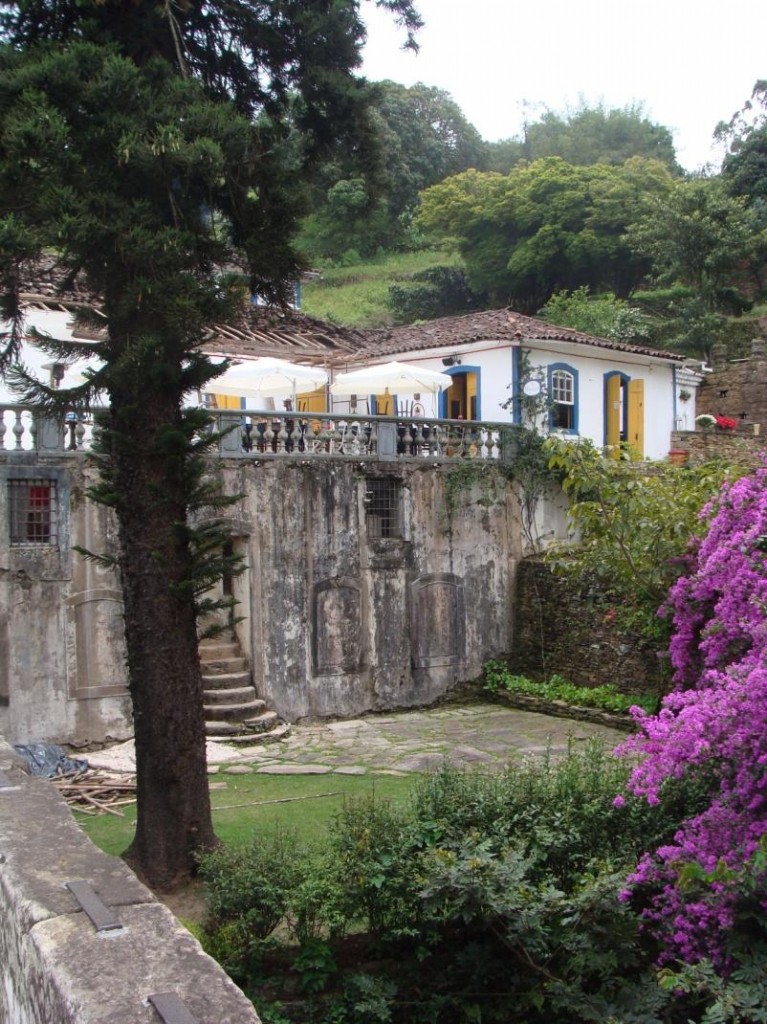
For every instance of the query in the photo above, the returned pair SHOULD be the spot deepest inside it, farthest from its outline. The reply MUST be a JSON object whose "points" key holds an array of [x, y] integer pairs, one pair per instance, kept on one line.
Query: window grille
{"points": [[562, 387], [563, 400], [34, 511], [382, 507]]}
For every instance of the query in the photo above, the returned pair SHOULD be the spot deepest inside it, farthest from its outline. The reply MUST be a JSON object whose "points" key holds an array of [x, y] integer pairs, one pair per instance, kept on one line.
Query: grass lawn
{"points": [[247, 805]]}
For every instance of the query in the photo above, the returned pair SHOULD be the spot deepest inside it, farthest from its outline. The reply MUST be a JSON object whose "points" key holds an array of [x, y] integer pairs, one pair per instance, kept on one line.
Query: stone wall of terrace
{"points": [[564, 629], [378, 573]]}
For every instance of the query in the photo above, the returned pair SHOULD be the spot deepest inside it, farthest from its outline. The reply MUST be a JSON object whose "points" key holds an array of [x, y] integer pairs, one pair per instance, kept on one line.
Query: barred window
{"points": [[382, 507], [34, 511]]}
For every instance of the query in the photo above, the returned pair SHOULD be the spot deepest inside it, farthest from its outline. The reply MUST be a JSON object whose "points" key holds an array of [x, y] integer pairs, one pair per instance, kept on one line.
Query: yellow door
{"points": [[613, 424], [461, 397], [313, 401], [471, 396], [636, 417]]}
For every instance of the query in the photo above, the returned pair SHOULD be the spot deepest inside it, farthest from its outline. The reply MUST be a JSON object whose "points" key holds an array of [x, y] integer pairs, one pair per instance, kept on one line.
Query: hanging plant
{"points": [[684, 395]]}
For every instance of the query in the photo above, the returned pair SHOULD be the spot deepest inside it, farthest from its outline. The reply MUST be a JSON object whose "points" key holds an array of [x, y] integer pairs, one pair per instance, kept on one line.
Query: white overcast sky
{"points": [[692, 63]]}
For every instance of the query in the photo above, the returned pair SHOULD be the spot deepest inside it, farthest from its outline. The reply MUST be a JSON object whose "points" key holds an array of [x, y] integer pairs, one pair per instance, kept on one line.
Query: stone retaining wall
{"points": [[55, 968], [564, 629], [740, 448]]}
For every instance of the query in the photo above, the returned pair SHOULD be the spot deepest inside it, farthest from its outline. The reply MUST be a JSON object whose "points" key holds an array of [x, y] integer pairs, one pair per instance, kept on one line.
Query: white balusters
{"points": [[257, 434], [18, 430]]}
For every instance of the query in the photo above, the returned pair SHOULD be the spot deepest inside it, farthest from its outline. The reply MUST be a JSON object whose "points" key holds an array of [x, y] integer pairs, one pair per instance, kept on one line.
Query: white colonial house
{"points": [[506, 367]]}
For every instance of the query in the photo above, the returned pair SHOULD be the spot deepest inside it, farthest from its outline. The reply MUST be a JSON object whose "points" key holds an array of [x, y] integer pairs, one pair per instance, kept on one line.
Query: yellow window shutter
{"points": [[613, 424]]}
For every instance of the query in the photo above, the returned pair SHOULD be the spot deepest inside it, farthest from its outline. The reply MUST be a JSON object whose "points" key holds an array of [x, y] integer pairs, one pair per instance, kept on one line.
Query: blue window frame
{"points": [[563, 398]]}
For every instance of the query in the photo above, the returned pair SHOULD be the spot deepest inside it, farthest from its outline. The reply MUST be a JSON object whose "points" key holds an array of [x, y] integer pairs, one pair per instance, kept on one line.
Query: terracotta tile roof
{"points": [[257, 331], [490, 325], [288, 334]]}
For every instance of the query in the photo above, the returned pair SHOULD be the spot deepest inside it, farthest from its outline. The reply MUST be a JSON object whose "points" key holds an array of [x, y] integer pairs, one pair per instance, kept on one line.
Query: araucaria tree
{"points": [[143, 148], [704, 895]]}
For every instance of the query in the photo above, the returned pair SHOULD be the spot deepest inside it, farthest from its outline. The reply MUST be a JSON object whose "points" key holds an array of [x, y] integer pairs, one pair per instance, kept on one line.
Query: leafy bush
{"points": [[491, 898], [634, 528], [375, 849], [251, 885], [497, 677], [436, 291]]}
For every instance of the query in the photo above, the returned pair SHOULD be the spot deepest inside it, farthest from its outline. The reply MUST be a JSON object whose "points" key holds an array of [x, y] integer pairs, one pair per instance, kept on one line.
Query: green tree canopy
{"points": [[417, 136], [546, 226], [701, 236], [744, 171], [601, 315], [588, 135]]}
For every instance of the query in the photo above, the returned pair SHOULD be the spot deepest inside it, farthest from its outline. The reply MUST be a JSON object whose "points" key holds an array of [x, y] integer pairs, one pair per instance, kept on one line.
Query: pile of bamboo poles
{"points": [[97, 791]]}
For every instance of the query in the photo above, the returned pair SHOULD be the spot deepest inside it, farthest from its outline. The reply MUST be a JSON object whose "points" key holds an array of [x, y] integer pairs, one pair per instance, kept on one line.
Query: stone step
{"points": [[210, 650], [253, 739], [222, 729], [235, 712], [222, 666], [261, 723], [232, 695], [226, 681]]}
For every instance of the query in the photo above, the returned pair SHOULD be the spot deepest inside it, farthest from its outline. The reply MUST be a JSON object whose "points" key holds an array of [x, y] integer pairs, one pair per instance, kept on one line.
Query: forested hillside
{"points": [[587, 220]]}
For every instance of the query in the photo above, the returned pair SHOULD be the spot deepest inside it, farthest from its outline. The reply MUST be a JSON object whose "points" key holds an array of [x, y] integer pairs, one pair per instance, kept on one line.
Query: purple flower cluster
{"points": [[714, 733]]}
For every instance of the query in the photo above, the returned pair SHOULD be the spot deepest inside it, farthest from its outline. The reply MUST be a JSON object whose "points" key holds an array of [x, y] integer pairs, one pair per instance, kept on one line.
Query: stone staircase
{"points": [[233, 713]]}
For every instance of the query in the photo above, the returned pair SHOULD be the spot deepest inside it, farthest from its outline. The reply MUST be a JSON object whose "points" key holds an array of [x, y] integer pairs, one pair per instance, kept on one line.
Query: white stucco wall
{"points": [[493, 361]]}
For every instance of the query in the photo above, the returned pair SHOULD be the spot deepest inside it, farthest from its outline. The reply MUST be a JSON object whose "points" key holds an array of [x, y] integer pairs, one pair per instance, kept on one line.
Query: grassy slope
{"points": [[356, 296]]}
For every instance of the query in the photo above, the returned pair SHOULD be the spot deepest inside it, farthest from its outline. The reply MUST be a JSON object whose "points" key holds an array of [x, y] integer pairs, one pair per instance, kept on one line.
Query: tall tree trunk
{"points": [[173, 801]]}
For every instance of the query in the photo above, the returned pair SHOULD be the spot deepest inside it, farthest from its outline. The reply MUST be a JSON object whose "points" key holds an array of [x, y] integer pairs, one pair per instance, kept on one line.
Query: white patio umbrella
{"points": [[396, 378], [267, 378]]}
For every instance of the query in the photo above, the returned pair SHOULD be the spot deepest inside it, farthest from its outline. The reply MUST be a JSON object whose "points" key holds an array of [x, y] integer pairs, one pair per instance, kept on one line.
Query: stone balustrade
{"points": [[256, 434], [252, 434], [24, 429]]}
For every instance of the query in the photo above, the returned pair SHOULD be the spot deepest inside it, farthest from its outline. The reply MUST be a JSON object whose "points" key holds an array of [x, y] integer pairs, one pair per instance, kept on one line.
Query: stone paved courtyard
{"points": [[482, 734]]}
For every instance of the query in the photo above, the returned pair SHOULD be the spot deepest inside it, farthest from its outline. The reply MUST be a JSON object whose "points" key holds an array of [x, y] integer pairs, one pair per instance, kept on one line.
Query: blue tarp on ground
{"points": [[48, 760]]}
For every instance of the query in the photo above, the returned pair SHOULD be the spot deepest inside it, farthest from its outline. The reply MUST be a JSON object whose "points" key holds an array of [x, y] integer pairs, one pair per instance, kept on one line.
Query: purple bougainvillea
{"points": [[713, 729]]}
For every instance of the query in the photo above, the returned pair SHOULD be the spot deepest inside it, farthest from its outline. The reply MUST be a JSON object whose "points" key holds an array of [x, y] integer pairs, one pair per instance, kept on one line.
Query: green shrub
{"points": [[316, 901], [251, 885], [375, 848], [497, 677], [486, 893], [315, 964], [559, 813]]}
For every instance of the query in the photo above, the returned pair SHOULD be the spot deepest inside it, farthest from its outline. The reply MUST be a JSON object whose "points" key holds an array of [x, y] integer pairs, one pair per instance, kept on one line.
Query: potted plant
{"points": [[685, 395], [705, 421], [725, 423]]}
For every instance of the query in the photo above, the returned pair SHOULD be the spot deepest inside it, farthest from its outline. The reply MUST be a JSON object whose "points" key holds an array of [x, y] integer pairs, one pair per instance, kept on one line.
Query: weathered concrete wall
{"points": [[61, 630], [337, 619], [55, 968], [564, 629], [341, 622]]}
